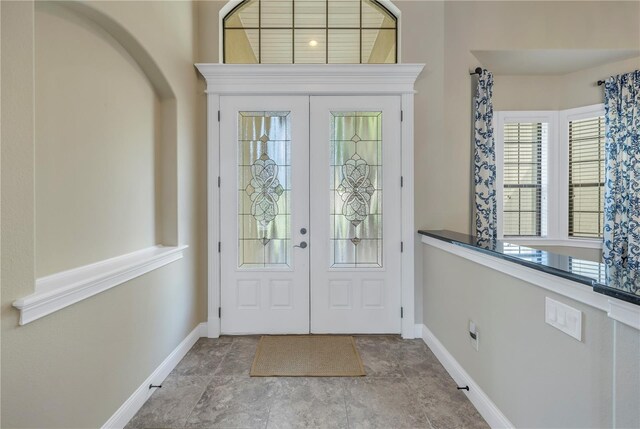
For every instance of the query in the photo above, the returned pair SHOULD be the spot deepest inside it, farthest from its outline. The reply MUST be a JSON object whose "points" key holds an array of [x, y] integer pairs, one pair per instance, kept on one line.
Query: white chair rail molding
{"points": [[60, 290]]}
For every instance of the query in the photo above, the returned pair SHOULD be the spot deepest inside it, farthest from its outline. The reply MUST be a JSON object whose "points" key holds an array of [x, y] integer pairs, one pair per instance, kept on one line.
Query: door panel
{"points": [[264, 159], [355, 262]]}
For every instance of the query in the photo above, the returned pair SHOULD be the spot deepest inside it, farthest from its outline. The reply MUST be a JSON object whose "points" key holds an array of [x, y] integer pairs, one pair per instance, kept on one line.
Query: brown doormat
{"points": [[307, 356]]}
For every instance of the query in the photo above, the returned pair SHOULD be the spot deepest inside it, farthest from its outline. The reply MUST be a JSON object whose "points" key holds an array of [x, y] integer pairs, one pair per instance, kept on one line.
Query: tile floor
{"points": [[405, 387]]}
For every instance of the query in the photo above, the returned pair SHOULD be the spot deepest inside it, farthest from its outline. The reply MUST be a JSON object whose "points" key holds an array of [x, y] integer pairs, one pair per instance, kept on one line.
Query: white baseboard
{"points": [[131, 406], [478, 398], [418, 331]]}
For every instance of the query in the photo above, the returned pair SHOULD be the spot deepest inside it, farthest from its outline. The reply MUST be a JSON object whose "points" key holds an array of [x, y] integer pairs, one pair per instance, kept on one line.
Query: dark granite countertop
{"points": [[594, 274]]}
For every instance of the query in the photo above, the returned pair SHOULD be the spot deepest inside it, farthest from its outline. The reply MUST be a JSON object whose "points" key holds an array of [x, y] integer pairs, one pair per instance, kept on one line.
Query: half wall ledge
{"points": [[65, 288]]}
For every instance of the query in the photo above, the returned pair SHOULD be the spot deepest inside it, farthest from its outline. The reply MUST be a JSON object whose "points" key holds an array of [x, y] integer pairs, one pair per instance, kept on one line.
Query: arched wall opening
{"points": [[106, 163]]}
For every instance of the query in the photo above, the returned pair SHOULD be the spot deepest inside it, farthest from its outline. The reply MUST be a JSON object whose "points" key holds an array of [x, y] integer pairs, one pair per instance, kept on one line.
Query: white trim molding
{"points": [[310, 79], [213, 215], [409, 235], [624, 312], [60, 290], [131, 406], [548, 202], [583, 243], [556, 183], [562, 162], [617, 309], [485, 406]]}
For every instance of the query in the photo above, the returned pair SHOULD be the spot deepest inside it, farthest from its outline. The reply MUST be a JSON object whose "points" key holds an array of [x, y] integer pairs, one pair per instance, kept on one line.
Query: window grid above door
{"points": [[310, 32]]}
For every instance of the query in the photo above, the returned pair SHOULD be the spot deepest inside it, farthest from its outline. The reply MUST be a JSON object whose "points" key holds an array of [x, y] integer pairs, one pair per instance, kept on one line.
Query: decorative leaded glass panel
{"points": [[264, 190], [356, 189]]}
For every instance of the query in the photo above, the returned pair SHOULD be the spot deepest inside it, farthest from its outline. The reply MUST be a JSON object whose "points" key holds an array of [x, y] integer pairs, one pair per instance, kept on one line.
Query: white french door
{"points": [[356, 214], [264, 209], [310, 214]]}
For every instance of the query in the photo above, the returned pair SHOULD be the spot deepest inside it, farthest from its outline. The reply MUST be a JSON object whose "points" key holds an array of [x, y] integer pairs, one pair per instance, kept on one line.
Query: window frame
{"points": [[565, 116], [557, 189], [232, 4], [543, 116]]}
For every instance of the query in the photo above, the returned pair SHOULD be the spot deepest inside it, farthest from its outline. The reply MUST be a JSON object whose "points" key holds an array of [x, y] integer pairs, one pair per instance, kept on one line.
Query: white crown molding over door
{"points": [[310, 79]]}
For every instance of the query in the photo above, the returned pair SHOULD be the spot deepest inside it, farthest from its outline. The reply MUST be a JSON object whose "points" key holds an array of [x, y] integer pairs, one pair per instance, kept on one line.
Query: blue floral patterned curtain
{"points": [[622, 182], [484, 160]]}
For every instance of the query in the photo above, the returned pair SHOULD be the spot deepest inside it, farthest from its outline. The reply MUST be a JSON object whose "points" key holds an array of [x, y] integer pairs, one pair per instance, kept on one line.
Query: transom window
{"points": [[310, 31]]}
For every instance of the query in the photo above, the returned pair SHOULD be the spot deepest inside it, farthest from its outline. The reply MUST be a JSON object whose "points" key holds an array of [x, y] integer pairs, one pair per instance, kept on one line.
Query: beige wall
{"points": [[95, 158], [442, 35], [115, 339], [581, 89], [536, 375], [208, 30], [76, 367], [626, 382], [575, 390], [557, 92], [509, 26]]}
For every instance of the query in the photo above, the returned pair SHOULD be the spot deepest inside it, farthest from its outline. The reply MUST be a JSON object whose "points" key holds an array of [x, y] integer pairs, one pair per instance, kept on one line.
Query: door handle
{"points": [[302, 245]]}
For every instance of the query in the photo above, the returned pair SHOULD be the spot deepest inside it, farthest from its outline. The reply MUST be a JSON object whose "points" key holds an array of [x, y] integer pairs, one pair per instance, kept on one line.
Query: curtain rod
{"points": [[478, 70]]}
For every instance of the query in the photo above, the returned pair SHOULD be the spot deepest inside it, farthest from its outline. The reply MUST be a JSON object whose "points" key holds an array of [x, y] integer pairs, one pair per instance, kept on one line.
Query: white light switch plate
{"points": [[563, 317]]}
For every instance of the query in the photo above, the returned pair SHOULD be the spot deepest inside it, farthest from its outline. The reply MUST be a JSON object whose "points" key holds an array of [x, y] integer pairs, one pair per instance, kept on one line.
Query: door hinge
{"points": [[218, 181], [401, 246], [218, 116], [402, 312], [219, 246], [219, 312], [401, 115], [401, 181]]}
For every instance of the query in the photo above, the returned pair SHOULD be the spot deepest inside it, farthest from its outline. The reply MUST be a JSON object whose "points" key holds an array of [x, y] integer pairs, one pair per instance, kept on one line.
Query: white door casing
{"points": [[304, 79], [349, 215], [356, 214], [263, 208]]}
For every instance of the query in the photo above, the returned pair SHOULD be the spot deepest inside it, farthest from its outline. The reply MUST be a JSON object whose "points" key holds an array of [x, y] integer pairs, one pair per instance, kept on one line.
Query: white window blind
{"points": [[524, 178], [586, 177]]}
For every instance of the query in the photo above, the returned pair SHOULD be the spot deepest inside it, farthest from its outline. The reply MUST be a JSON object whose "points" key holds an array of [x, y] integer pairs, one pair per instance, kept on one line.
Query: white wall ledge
{"points": [[619, 310], [60, 290]]}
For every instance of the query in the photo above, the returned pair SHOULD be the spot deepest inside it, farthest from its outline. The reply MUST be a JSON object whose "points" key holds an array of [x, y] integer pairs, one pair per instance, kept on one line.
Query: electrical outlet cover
{"points": [[563, 317]]}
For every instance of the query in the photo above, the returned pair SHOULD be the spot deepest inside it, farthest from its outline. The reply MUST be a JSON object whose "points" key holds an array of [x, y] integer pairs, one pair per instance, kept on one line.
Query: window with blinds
{"points": [[586, 177], [523, 178]]}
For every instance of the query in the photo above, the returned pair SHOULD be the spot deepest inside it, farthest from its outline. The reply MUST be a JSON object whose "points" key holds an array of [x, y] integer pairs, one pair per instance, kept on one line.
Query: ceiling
{"points": [[549, 62]]}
